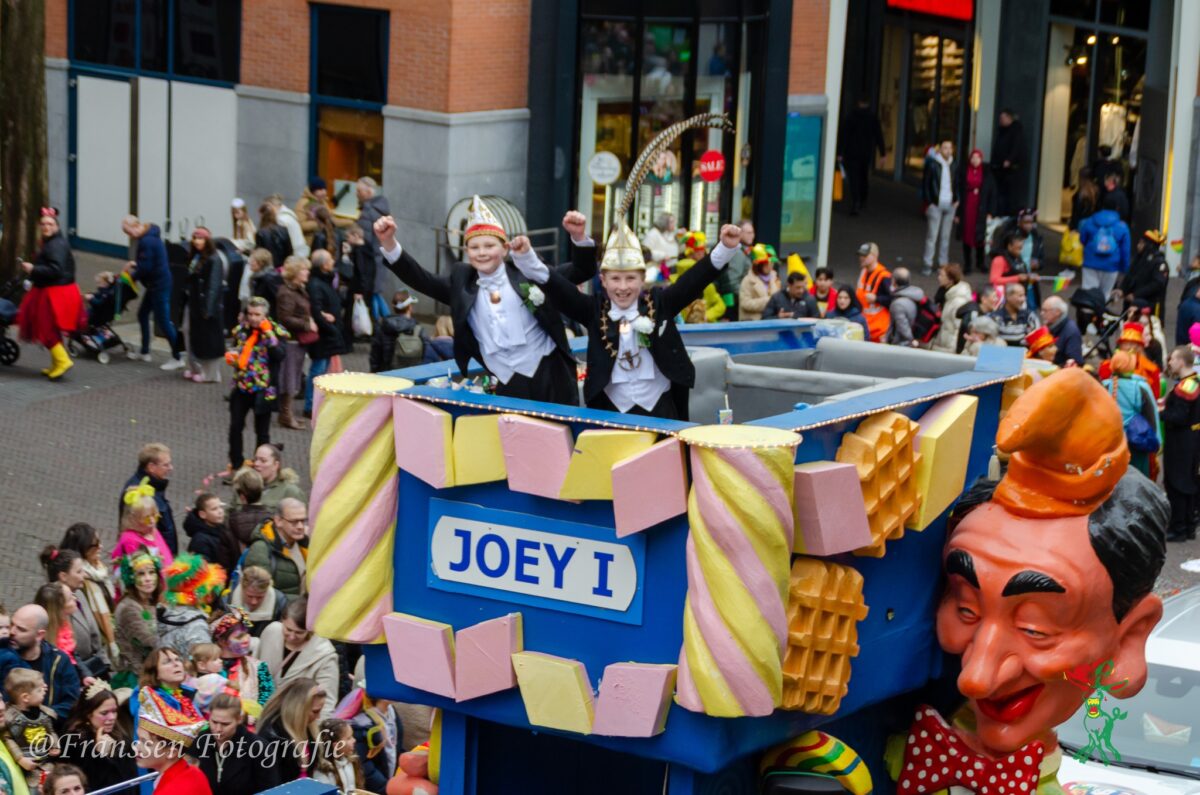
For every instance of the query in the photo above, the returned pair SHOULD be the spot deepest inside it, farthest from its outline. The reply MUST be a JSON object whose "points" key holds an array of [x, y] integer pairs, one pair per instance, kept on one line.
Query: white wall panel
{"points": [[203, 156], [152, 150], [102, 167]]}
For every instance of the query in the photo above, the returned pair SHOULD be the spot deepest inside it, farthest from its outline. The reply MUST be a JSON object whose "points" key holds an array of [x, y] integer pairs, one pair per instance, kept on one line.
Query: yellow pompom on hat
{"points": [[481, 221]]}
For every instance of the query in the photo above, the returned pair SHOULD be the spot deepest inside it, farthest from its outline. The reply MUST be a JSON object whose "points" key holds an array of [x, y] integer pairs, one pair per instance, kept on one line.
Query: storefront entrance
{"points": [[924, 68]]}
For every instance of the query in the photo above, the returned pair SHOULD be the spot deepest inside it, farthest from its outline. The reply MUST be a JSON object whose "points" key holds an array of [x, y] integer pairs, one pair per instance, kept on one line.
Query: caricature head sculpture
{"points": [[1053, 573]]}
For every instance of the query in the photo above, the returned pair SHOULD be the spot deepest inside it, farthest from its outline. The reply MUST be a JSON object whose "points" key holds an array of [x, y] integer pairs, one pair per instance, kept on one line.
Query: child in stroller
{"points": [[10, 299], [113, 293]]}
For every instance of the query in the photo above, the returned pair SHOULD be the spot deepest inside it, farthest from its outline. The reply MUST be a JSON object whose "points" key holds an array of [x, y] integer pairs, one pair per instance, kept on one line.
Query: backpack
{"points": [[1106, 241], [235, 576], [927, 321]]}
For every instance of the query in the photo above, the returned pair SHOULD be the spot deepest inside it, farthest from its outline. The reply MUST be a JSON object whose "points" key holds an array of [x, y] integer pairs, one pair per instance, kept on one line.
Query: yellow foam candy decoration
{"points": [[589, 475], [738, 555], [556, 691], [945, 445], [353, 507], [478, 456]]}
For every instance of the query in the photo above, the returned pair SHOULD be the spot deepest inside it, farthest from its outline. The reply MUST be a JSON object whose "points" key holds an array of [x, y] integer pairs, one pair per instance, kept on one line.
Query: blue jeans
{"points": [[318, 367], [158, 301]]}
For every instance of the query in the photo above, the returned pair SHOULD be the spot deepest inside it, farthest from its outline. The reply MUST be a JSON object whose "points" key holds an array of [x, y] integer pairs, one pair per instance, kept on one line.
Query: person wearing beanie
{"points": [[758, 286], [1133, 341], [315, 195], [1048, 595], [206, 332], [500, 318], [636, 361], [193, 585]]}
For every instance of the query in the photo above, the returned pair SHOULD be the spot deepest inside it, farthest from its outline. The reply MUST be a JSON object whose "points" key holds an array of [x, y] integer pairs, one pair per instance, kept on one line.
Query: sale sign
{"points": [[712, 165]]}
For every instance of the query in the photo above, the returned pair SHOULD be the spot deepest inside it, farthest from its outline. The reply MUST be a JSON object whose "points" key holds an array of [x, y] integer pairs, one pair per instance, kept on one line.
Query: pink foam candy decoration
{"points": [[634, 700], [1194, 334], [649, 487], [424, 435], [536, 454], [422, 653], [831, 517], [483, 657]]}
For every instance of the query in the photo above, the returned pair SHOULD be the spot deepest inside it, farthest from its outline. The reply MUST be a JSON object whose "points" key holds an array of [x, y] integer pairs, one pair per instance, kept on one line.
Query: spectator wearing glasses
{"points": [[280, 545], [154, 464]]}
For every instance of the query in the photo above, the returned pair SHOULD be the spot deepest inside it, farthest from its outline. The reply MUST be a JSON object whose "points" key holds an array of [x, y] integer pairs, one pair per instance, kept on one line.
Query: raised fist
{"points": [[731, 235], [385, 230], [520, 244], [575, 223]]}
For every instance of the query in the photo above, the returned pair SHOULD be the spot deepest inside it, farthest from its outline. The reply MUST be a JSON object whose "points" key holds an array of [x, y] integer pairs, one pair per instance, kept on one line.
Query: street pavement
{"points": [[67, 448]]}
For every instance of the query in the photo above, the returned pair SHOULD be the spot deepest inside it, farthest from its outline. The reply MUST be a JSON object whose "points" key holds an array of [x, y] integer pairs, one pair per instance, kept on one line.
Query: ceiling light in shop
{"points": [[1081, 60], [1091, 39], [1116, 39]]}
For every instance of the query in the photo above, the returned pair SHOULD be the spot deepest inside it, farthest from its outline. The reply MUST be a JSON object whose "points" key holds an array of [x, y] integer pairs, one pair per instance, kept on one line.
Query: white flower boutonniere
{"points": [[644, 327], [532, 296]]}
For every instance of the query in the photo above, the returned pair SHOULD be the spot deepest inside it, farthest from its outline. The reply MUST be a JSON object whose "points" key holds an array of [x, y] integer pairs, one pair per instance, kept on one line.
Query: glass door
{"points": [[936, 73]]}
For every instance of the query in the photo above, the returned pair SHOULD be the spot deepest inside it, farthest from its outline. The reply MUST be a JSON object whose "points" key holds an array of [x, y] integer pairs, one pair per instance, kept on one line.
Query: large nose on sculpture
{"points": [[989, 663]]}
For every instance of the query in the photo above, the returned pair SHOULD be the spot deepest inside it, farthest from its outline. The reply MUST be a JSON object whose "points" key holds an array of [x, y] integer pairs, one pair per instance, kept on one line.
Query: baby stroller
{"points": [[10, 299], [1096, 321], [105, 306]]}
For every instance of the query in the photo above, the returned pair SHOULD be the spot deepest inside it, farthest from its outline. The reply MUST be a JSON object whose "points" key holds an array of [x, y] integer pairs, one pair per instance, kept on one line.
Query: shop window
{"points": [[1074, 9], [607, 62], [351, 53], [206, 44], [349, 144], [208, 39], [104, 32], [1125, 14]]}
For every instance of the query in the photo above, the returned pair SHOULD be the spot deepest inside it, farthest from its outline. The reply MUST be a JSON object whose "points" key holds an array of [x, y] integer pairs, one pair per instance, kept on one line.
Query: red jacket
{"points": [[182, 778]]}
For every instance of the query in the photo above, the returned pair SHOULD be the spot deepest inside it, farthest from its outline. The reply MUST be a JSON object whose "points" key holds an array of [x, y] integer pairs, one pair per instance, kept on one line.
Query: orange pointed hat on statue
{"points": [[1067, 447], [481, 221]]}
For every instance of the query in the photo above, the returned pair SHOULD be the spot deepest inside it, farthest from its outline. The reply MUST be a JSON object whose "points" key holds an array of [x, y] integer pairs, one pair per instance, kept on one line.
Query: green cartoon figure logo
{"points": [[1097, 721]]}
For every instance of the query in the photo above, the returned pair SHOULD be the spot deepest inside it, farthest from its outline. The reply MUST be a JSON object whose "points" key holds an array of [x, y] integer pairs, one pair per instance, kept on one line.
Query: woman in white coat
{"points": [[957, 295], [292, 651]]}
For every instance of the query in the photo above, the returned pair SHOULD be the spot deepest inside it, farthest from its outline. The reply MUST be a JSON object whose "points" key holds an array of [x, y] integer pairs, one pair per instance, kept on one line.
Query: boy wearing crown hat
{"points": [[637, 363], [500, 319], [164, 734]]}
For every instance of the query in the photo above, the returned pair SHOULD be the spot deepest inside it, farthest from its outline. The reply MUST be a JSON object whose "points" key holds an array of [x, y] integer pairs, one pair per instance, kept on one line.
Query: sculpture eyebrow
{"points": [[1032, 582], [960, 563]]}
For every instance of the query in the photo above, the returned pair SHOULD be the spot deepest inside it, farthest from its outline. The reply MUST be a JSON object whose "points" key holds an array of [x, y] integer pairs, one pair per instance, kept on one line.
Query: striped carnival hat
{"points": [[481, 221]]}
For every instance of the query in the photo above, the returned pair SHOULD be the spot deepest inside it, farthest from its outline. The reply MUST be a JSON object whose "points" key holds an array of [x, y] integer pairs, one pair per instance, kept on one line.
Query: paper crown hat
{"points": [[159, 718], [1067, 446], [1038, 339], [623, 252], [481, 221]]}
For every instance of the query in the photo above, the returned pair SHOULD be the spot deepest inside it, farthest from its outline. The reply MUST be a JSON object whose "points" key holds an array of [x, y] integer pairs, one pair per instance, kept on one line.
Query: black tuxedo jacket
{"points": [[460, 287], [666, 344]]}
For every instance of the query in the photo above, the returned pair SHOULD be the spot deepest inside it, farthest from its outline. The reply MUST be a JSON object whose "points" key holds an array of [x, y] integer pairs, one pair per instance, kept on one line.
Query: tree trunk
{"points": [[23, 180]]}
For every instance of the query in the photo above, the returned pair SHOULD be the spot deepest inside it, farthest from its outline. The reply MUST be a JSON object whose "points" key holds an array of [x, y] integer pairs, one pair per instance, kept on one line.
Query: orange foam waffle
{"points": [[825, 604], [882, 450]]}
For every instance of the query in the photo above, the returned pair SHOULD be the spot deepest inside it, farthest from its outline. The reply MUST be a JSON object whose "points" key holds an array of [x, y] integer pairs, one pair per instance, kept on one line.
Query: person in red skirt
{"points": [[54, 306]]}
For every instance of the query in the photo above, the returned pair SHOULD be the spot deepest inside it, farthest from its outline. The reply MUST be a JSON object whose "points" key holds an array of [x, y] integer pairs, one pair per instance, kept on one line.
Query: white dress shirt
{"points": [[641, 384], [510, 339]]}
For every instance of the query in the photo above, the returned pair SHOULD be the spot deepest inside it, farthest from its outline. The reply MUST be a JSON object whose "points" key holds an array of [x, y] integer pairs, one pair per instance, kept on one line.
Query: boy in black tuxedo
{"points": [[500, 319], [637, 363]]}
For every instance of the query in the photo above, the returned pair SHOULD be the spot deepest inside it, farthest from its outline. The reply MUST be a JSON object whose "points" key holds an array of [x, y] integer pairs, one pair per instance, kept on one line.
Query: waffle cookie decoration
{"points": [[738, 549], [1013, 389], [825, 604], [882, 450]]}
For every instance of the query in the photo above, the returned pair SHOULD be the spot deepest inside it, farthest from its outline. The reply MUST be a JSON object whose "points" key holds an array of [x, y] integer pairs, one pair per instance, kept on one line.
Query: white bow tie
{"points": [[616, 314], [493, 281]]}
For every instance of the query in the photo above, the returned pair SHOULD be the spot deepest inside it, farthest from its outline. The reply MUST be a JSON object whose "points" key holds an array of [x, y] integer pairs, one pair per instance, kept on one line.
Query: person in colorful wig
{"points": [[500, 318], [193, 584]]}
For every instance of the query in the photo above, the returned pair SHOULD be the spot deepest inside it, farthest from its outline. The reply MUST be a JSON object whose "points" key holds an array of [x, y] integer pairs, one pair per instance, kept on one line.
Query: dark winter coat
{"points": [[1147, 278], [860, 135], [234, 266], [265, 284], [240, 772], [324, 298], [166, 518], [54, 265], [206, 318], [362, 280], [1009, 144], [931, 182], [383, 342], [215, 544], [244, 520], [79, 749], [152, 267], [56, 669], [1069, 342], [1189, 313], [1181, 441], [275, 239]]}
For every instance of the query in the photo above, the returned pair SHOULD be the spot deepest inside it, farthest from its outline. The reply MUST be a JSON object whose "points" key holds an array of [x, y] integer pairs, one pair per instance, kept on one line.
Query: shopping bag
{"points": [[1070, 252], [839, 176], [361, 319]]}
